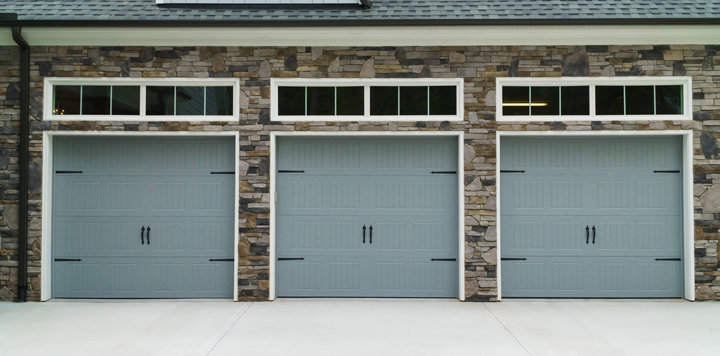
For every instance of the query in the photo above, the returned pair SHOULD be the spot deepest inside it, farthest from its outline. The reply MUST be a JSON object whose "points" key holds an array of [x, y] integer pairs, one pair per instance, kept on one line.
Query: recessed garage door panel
{"points": [[591, 217], [143, 218], [328, 191]]}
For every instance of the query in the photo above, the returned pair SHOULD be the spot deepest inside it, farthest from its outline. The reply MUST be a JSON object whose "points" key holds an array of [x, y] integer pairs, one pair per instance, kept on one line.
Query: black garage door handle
{"points": [[364, 233], [371, 234], [148, 235], [593, 234], [587, 234], [142, 235]]}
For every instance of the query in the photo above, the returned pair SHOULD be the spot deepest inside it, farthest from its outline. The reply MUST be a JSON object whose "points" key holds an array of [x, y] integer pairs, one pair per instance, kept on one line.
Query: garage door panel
{"points": [[195, 236], [300, 235], [536, 194], [540, 235], [628, 190], [386, 184], [593, 277], [652, 236], [160, 184]]}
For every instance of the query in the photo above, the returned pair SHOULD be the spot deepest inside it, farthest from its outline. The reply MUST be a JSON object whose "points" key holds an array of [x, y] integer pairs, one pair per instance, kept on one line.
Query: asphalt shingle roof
{"points": [[387, 10]]}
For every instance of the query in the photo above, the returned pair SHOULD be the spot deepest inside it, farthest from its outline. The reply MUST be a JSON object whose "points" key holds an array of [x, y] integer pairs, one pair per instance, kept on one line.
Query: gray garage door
{"points": [[591, 218], [143, 218], [360, 217]]}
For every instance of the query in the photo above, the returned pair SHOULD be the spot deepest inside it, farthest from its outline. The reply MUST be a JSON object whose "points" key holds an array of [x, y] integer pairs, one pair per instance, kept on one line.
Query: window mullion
{"points": [[81, 99], [529, 101], [654, 100], [624, 101], [560, 101], [366, 101], [143, 101]]}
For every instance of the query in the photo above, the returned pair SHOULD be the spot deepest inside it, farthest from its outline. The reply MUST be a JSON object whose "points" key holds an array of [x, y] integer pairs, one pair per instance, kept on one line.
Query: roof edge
{"points": [[359, 23]]}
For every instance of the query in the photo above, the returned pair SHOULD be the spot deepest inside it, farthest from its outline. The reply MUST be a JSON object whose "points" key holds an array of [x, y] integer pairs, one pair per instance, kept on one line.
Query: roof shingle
{"points": [[142, 10]]}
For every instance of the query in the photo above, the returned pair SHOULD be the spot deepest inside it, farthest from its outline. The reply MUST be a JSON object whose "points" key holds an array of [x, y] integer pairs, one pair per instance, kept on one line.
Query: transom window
{"points": [[366, 99], [645, 98], [141, 100]]}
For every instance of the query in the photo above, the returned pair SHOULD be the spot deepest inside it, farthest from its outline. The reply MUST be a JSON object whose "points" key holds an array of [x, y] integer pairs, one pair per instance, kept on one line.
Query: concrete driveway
{"points": [[360, 327]]}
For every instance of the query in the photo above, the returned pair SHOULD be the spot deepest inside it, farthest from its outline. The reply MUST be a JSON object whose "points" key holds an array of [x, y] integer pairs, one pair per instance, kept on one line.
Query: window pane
{"points": [[219, 101], [669, 99], [575, 101], [350, 101], [67, 100], [291, 101], [413, 100], [321, 100], [160, 101], [125, 100], [190, 101], [383, 100], [95, 100], [609, 100], [639, 100], [443, 100], [516, 101], [545, 100]]}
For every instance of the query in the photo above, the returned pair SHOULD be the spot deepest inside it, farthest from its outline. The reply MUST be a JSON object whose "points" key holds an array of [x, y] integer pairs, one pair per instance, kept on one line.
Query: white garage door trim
{"points": [[47, 186], [461, 187], [687, 174]]}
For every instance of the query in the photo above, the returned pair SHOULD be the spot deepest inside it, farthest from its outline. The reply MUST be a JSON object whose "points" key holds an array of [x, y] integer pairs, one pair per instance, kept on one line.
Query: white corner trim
{"points": [[592, 82], [47, 193], [371, 36], [51, 82], [687, 187], [458, 83], [461, 189], [461, 215]]}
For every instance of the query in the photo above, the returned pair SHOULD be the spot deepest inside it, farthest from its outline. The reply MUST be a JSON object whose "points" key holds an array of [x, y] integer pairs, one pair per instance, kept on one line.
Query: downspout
{"points": [[23, 162]]}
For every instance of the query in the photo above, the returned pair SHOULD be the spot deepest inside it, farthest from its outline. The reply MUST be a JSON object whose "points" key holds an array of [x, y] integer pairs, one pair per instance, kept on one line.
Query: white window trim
{"points": [[50, 84], [686, 82], [367, 83]]}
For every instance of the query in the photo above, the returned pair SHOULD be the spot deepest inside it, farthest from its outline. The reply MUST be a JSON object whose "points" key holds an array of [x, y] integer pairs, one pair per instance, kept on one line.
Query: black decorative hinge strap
{"points": [[443, 259], [513, 259], [282, 171], [667, 259], [68, 260], [666, 171], [221, 260], [68, 172], [228, 172], [508, 171], [443, 172], [291, 258]]}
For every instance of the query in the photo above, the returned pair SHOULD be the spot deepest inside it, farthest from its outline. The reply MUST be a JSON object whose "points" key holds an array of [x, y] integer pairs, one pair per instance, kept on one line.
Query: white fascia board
{"points": [[371, 36]]}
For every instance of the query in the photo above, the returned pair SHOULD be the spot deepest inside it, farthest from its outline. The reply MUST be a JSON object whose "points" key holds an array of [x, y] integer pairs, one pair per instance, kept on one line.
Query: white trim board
{"points": [[592, 82], [458, 83], [461, 190], [47, 189], [371, 36], [687, 198], [51, 82]]}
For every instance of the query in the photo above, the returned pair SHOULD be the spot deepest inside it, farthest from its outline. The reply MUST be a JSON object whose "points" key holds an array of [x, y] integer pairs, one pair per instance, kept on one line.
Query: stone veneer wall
{"points": [[255, 66]]}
